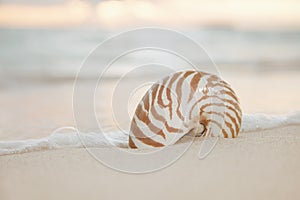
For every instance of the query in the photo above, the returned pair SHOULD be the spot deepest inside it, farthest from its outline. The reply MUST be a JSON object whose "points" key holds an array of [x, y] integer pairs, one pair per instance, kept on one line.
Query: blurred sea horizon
{"points": [[56, 54]]}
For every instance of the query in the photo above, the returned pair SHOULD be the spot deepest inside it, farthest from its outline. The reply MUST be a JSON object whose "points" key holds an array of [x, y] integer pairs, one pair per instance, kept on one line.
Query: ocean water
{"points": [[58, 53]]}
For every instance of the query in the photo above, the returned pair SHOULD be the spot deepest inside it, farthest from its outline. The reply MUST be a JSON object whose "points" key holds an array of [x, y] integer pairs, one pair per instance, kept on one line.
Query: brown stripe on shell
{"points": [[236, 106], [236, 113], [219, 82], [230, 127], [224, 133], [152, 108], [194, 84], [143, 116], [195, 104], [220, 105], [179, 92], [237, 128], [131, 143], [160, 100], [206, 121], [143, 138], [154, 93], [146, 102], [221, 85], [229, 94], [172, 129], [168, 92]]}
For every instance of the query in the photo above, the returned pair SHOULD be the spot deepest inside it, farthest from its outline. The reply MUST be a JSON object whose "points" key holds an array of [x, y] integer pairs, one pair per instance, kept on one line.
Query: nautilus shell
{"points": [[185, 102]]}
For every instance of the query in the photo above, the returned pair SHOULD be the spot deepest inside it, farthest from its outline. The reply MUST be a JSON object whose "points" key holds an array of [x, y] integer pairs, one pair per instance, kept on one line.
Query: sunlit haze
{"points": [[130, 13]]}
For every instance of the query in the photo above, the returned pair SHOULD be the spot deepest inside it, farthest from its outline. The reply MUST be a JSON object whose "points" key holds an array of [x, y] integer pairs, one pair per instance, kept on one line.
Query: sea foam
{"points": [[75, 139]]}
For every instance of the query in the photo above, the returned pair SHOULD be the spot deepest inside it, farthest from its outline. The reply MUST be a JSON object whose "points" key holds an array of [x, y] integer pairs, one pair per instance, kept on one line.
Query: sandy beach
{"points": [[258, 165]]}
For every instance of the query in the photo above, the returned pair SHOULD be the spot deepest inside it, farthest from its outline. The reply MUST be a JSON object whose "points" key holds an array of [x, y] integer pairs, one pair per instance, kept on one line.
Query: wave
{"points": [[74, 139], [258, 122]]}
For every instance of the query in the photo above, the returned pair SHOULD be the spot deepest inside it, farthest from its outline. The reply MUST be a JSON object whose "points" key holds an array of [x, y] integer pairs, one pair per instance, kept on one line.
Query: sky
{"points": [[131, 13]]}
